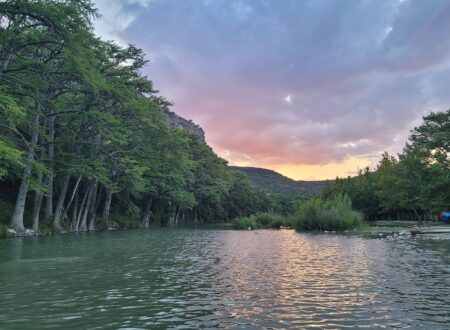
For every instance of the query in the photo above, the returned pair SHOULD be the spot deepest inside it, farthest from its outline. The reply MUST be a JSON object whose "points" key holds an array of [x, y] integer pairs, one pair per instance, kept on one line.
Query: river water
{"points": [[187, 279]]}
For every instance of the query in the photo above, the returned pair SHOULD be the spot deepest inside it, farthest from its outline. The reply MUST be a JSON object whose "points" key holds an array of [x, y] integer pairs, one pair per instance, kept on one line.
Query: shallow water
{"points": [[187, 278]]}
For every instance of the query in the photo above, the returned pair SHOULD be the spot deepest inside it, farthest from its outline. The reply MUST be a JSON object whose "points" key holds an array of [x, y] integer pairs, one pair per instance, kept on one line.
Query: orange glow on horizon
{"points": [[311, 172]]}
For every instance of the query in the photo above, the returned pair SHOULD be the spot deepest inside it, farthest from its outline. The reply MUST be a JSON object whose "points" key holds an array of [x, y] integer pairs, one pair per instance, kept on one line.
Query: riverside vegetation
{"points": [[84, 145], [318, 214], [412, 186], [83, 142]]}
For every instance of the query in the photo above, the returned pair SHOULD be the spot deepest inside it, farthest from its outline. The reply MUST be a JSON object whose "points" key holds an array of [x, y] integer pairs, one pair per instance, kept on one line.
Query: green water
{"points": [[187, 279]]}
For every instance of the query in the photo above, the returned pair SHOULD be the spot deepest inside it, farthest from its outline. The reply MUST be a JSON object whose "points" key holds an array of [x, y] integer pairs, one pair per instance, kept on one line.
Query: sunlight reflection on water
{"points": [[189, 278]]}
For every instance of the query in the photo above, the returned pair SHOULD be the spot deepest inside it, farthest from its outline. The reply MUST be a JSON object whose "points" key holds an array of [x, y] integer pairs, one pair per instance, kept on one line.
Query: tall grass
{"points": [[332, 214], [261, 220]]}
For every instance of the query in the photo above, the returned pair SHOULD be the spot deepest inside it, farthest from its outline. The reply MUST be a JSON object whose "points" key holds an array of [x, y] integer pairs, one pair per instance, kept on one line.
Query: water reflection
{"points": [[218, 278]]}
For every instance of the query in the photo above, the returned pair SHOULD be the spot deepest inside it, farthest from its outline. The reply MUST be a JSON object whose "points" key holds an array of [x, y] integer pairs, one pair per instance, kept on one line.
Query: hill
{"points": [[276, 183]]}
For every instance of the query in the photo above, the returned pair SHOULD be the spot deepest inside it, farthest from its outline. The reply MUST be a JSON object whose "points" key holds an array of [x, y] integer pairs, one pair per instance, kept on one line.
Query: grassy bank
{"points": [[334, 214], [262, 220]]}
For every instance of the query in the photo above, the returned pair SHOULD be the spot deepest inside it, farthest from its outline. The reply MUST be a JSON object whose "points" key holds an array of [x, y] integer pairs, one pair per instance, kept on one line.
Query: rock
{"points": [[249, 228], [173, 120], [389, 238], [380, 234], [29, 232], [11, 231]]}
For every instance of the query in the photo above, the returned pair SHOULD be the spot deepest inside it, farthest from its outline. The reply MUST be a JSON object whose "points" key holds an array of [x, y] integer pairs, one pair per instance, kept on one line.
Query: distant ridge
{"points": [[276, 183]]}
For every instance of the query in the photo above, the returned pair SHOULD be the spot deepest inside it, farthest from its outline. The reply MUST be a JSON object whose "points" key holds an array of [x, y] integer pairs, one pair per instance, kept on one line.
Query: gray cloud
{"points": [[359, 73]]}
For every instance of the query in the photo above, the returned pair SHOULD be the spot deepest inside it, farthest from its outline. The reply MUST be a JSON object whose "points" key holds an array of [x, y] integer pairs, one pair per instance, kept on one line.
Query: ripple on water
{"points": [[164, 279]]}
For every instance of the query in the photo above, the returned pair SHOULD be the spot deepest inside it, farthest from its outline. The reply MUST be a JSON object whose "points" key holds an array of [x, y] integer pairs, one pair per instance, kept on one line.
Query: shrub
{"points": [[123, 220], [332, 214], [245, 222], [270, 220], [261, 220]]}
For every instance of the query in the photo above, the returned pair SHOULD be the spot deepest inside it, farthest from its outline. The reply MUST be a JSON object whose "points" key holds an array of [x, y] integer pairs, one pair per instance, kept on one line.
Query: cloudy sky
{"points": [[310, 88]]}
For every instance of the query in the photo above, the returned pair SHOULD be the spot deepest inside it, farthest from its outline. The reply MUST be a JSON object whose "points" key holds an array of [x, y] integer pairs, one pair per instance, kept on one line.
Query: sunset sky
{"points": [[312, 89]]}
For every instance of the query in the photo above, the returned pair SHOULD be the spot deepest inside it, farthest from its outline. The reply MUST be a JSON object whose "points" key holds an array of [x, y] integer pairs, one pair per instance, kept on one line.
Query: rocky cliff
{"points": [[173, 120]]}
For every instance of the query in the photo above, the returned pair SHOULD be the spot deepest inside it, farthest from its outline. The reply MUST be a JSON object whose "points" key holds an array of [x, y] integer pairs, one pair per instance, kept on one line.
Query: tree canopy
{"points": [[413, 185], [82, 132]]}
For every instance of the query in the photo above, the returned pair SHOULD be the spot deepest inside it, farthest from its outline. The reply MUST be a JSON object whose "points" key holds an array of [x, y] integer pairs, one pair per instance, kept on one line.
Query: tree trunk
{"points": [[94, 206], [148, 212], [74, 192], [38, 196], [37, 208], [172, 219], [177, 216], [60, 204], [17, 217], [107, 207], [51, 154], [83, 226], [80, 211], [74, 211], [417, 215]]}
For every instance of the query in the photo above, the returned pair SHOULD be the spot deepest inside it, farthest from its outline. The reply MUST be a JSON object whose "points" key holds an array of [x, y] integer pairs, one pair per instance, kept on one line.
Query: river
{"points": [[203, 278]]}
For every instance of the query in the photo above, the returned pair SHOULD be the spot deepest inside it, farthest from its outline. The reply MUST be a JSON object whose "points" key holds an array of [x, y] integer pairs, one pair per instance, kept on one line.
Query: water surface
{"points": [[187, 279]]}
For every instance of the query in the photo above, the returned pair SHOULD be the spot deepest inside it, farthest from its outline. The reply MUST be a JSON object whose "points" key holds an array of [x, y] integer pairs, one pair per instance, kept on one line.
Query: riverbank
{"points": [[365, 229]]}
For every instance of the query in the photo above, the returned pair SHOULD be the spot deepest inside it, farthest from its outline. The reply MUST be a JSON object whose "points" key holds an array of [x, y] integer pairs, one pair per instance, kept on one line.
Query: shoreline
{"points": [[374, 231]]}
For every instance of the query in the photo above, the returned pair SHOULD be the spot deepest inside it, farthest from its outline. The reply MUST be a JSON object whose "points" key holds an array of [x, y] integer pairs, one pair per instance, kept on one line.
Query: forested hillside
{"points": [[276, 183], [414, 185], [83, 140]]}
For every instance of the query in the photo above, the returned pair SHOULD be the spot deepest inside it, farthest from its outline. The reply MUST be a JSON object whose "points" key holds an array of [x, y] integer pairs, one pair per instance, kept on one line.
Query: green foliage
{"points": [[10, 157], [74, 108], [412, 186], [3, 231], [360, 189], [332, 214], [272, 220], [245, 223], [124, 220], [262, 220], [434, 133]]}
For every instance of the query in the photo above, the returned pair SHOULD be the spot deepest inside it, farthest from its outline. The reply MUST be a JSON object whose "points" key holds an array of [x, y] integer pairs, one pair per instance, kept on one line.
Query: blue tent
{"points": [[445, 216]]}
